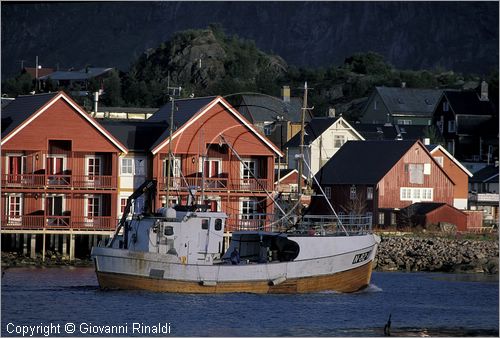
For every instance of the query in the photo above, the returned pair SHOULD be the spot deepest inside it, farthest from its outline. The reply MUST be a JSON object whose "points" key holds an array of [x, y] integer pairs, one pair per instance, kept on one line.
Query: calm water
{"points": [[440, 304]]}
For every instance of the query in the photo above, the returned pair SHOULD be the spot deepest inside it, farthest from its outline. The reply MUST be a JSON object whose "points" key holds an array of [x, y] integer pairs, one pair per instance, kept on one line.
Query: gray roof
{"points": [[423, 208], [379, 131], [135, 135], [485, 175], [82, 74], [21, 109], [364, 162], [184, 110], [6, 101], [313, 130], [468, 103], [264, 108], [410, 101]]}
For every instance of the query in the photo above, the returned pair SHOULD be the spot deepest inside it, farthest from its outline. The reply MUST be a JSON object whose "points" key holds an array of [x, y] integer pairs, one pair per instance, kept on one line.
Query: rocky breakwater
{"points": [[437, 254], [15, 259]]}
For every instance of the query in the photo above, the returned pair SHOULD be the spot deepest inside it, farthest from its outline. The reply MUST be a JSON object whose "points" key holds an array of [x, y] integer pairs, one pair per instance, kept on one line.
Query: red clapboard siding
{"points": [[389, 186]]}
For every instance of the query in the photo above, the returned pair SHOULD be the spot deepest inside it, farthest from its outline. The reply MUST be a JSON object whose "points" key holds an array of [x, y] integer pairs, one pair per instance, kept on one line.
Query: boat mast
{"points": [[171, 127], [301, 158]]}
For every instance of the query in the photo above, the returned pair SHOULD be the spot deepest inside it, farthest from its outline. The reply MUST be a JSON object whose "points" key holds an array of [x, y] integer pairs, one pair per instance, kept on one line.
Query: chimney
{"points": [[484, 91], [96, 100], [403, 84], [427, 141], [286, 93], [331, 112]]}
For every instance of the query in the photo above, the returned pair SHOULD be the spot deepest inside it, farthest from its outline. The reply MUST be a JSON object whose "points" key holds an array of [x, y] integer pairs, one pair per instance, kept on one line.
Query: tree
{"points": [[433, 135], [368, 63], [20, 85]]}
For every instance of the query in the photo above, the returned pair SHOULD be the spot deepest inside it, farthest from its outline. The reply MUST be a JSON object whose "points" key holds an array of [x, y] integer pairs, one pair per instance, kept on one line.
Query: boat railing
{"points": [[343, 225], [336, 225]]}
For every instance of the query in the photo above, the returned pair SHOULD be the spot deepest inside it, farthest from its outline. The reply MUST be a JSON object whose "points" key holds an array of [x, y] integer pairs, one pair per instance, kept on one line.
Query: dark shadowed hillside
{"points": [[462, 36]]}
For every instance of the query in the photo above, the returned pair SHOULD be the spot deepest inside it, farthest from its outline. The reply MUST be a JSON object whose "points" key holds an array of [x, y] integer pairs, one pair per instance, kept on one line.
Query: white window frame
{"points": [[140, 165], [338, 140], [416, 194], [210, 160], [176, 170], [18, 212], [99, 207], [63, 203], [23, 162], [129, 166], [87, 172], [217, 199], [173, 200], [294, 187], [427, 168], [251, 206], [64, 158], [92, 220], [352, 192], [120, 200], [243, 168], [369, 193], [381, 218], [405, 122], [439, 160]]}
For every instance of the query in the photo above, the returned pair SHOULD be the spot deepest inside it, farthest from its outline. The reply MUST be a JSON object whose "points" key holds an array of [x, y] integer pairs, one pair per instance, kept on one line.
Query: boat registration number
{"points": [[361, 257]]}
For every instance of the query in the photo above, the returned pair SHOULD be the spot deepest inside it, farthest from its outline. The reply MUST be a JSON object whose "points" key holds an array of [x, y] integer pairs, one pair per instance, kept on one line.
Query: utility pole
{"points": [[36, 74]]}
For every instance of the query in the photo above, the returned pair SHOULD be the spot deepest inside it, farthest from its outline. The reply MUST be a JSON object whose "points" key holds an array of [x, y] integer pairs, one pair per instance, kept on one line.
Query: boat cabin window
{"points": [[218, 224], [168, 231], [204, 224]]}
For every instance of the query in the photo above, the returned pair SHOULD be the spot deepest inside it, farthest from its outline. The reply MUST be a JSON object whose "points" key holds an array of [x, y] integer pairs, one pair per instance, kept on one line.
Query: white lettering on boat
{"points": [[361, 257]]}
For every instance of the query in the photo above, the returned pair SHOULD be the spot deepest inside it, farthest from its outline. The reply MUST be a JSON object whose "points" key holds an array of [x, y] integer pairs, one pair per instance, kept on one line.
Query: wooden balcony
{"points": [[68, 181], [214, 184], [40, 222]]}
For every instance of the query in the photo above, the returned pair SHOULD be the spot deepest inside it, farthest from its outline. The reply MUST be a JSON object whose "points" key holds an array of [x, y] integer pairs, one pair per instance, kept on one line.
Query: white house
{"points": [[323, 138]]}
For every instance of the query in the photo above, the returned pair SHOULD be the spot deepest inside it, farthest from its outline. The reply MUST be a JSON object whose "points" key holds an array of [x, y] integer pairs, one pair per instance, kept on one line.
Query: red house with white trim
{"points": [[59, 166], [221, 155]]}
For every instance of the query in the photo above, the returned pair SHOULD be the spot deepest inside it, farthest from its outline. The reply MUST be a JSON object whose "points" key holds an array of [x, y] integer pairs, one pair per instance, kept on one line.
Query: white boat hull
{"points": [[341, 264]]}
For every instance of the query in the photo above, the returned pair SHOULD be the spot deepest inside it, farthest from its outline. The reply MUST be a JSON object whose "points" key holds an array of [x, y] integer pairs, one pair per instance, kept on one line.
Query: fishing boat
{"points": [[183, 250]]}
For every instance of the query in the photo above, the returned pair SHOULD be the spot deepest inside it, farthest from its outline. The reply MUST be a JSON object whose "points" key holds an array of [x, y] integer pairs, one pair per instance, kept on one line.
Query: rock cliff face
{"points": [[437, 254], [462, 36]]}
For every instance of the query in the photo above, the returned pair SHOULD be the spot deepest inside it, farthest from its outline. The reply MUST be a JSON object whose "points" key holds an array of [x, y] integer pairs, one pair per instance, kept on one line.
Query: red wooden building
{"points": [[379, 178], [220, 154], [59, 166], [434, 214]]}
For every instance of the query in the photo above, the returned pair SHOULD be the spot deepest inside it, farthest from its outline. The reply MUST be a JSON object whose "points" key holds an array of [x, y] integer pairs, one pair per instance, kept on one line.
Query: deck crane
{"points": [[148, 187]]}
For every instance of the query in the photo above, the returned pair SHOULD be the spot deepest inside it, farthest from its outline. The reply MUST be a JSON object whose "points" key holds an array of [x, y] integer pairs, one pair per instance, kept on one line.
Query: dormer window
{"points": [[445, 106]]}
